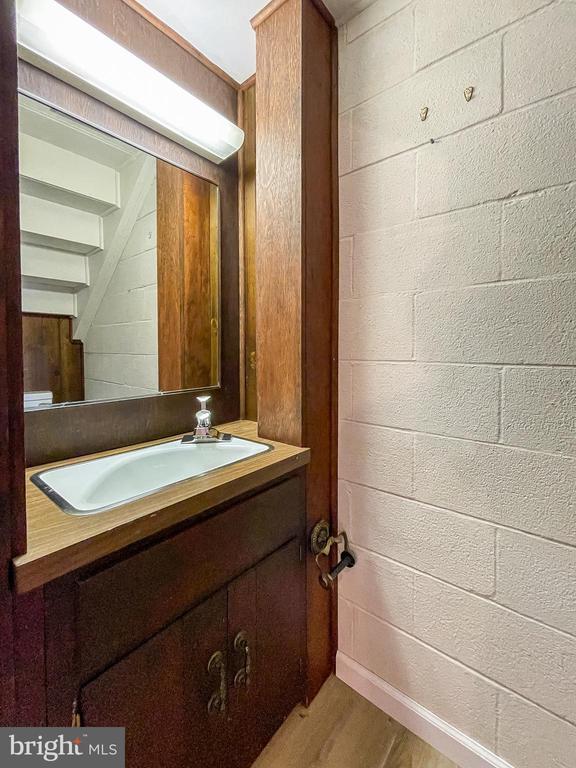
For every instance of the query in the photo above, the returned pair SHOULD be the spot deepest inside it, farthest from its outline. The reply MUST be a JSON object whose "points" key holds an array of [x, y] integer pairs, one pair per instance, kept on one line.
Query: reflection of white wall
{"points": [[121, 346]]}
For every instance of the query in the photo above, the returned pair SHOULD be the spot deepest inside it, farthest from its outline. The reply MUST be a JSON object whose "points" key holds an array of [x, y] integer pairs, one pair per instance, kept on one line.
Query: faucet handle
{"points": [[203, 417]]}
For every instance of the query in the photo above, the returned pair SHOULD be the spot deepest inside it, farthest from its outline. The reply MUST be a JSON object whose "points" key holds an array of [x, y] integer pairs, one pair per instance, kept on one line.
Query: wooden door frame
{"points": [[297, 268]]}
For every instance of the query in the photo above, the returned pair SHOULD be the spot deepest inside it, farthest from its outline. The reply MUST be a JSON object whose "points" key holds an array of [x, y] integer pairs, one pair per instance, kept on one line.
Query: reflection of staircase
{"points": [[72, 200]]}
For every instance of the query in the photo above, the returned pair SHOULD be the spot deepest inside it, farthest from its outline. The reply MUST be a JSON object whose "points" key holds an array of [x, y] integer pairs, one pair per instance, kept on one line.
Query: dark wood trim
{"points": [[295, 250], [181, 41], [59, 433], [12, 512], [242, 257], [274, 5], [247, 195]]}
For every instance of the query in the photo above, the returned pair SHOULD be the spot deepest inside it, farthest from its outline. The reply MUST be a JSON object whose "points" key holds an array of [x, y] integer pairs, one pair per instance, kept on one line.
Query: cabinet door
{"points": [[160, 693], [266, 612], [280, 607], [244, 714]]}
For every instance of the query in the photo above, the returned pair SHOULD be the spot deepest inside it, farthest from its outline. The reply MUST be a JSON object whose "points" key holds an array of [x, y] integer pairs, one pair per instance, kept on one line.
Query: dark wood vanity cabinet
{"points": [[195, 644]]}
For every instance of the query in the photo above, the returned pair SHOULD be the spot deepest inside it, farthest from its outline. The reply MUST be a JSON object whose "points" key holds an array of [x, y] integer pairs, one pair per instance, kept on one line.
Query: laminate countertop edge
{"points": [[59, 543]]}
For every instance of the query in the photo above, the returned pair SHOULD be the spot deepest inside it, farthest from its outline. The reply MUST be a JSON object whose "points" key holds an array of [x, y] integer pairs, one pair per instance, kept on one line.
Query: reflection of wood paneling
{"points": [[249, 220], [187, 280], [53, 362], [295, 259]]}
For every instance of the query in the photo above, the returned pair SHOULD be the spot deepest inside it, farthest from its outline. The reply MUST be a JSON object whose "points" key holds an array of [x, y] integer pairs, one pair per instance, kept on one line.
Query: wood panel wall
{"points": [[53, 361], [12, 513], [296, 264]]}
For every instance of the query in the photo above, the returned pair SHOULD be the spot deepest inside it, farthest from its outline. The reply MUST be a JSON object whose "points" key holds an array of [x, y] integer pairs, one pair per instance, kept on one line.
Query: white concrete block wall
{"points": [[458, 363], [121, 348]]}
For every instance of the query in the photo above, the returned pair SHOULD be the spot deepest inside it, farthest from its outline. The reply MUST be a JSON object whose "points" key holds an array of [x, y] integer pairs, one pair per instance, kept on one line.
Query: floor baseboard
{"points": [[458, 747]]}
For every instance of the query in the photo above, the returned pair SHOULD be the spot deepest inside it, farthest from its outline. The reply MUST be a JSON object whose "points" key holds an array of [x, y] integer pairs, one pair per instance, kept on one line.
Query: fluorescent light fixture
{"points": [[56, 40]]}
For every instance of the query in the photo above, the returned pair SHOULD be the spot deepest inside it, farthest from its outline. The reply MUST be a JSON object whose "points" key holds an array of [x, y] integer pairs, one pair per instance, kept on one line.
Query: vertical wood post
{"points": [[296, 273]]}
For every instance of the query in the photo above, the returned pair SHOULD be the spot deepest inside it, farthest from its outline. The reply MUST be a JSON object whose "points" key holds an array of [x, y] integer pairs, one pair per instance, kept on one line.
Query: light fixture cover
{"points": [[56, 40]]}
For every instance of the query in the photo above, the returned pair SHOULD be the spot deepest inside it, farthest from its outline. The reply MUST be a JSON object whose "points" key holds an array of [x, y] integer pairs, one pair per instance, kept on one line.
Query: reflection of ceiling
{"points": [[220, 29]]}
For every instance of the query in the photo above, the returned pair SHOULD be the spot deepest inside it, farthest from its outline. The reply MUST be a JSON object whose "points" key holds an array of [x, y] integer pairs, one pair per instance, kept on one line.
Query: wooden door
{"points": [[53, 360], [161, 691]]}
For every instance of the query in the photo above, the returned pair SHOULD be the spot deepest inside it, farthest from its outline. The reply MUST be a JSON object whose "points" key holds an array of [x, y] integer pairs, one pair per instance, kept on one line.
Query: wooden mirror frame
{"points": [[62, 432]]}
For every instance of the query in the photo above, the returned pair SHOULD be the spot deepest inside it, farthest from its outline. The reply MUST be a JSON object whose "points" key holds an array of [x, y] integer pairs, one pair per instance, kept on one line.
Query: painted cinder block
{"points": [[539, 408], [443, 686], [376, 328], [390, 122], [371, 583], [504, 157], [344, 143], [530, 491], [377, 60], [540, 56], [537, 577], [526, 657], [345, 390], [379, 196], [375, 14], [453, 249], [345, 268], [458, 400], [444, 26], [529, 737], [452, 547], [345, 626], [375, 456], [525, 322], [538, 234]]}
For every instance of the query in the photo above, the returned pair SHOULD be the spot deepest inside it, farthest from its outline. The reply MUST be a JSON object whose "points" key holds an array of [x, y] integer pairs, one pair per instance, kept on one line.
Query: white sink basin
{"points": [[100, 484]]}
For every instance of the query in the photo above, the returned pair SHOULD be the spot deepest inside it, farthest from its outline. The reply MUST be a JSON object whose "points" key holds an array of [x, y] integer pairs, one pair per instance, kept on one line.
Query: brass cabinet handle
{"points": [[241, 645], [217, 702]]}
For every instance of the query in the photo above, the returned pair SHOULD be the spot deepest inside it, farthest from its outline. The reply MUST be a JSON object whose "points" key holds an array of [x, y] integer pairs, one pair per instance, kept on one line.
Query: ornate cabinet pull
{"points": [[217, 665], [241, 645]]}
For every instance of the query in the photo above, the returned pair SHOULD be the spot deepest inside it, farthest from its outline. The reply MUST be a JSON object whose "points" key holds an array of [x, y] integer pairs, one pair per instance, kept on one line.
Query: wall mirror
{"points": [[120, 255]]}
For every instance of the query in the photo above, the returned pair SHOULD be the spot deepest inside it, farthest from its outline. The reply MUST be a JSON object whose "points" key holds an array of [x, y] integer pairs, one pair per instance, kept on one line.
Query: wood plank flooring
{"points": [[343, 730]]}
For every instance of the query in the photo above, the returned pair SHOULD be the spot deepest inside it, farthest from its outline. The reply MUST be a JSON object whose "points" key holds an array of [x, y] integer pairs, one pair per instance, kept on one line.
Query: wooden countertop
{"points": [[59, 543]]}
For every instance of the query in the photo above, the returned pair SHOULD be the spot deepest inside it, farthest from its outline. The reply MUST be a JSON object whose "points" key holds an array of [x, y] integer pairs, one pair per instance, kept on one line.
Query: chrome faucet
{"points": [[203, 419], [204, 432]]}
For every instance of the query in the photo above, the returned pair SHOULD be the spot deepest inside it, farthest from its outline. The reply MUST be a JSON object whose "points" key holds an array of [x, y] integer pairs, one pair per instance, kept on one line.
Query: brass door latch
{"points": [[321, 542]]}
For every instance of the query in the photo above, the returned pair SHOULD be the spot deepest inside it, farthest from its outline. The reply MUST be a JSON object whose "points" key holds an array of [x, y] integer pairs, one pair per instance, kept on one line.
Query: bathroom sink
{"points": [[100, 484]]}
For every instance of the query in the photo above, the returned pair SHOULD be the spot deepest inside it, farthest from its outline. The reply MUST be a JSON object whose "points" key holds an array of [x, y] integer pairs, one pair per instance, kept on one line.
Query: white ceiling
{"points": [[221, 29]]}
